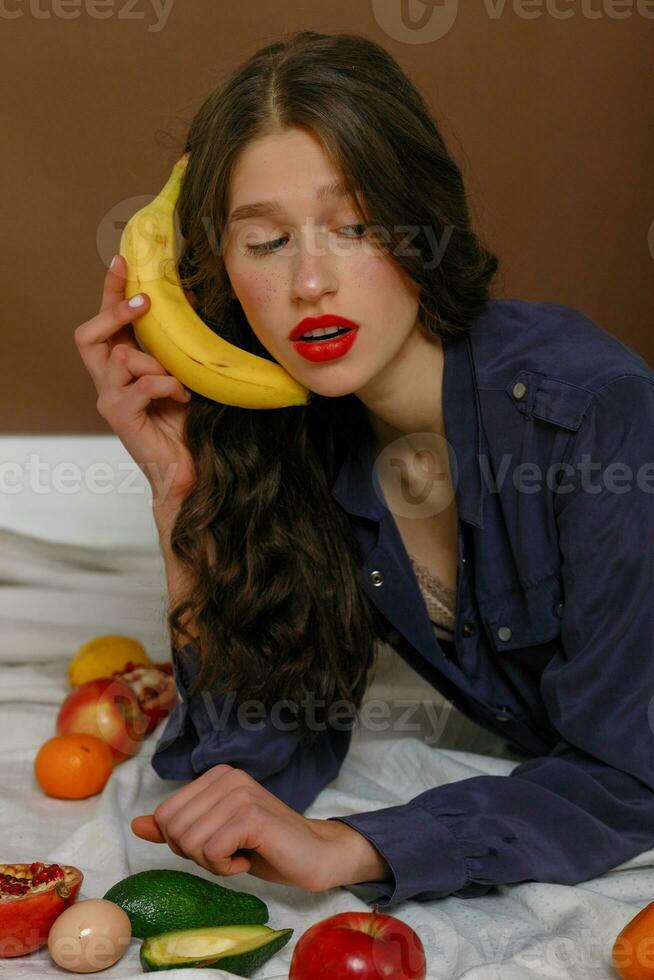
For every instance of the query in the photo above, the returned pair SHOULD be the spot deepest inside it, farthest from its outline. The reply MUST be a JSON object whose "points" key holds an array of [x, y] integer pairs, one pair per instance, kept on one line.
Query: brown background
{"points": [[550, 118]]}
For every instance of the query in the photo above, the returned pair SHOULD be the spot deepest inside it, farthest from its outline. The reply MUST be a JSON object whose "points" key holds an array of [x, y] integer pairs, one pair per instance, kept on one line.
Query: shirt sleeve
{"points": [[588, 805], [206, 729]]}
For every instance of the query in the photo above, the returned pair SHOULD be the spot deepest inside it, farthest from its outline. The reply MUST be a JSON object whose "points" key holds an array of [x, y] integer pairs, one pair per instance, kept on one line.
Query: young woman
{"points": [[470, 482]]}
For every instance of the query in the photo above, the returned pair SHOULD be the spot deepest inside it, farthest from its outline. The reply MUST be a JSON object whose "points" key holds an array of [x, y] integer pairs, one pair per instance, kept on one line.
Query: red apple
{"points": [[154, 687], [359, 946], [106, 707]]}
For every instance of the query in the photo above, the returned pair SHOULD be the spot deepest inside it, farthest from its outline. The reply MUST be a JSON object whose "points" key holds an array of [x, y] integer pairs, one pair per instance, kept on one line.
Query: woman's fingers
{"points": [[113, 325], [123, 367], [223, 847], [125, 363], [92, 337], [207, 781], [113, 293], [147, 828], [130, 405], [114, 285]]}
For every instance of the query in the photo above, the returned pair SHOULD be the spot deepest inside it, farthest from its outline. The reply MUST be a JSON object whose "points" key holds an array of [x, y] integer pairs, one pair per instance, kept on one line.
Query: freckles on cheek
{"points": [[256, 292]]}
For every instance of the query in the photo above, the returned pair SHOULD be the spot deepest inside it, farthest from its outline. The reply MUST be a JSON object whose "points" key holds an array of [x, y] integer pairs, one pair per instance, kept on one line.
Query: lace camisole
{"points": [[439, 599]]}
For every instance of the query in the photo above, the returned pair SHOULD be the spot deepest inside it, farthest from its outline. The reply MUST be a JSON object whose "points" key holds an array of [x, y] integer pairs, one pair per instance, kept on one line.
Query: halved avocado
{"points": [[164, 900], [237, 949]]}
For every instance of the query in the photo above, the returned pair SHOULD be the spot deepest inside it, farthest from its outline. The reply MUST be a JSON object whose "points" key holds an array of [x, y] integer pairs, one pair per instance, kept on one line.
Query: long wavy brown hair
{"points": [[278, 609]]}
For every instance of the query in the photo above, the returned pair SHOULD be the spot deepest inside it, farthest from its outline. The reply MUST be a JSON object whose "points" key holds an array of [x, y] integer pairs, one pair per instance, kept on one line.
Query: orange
{"points": [[633, 950], [102, 655], [74, 766]]}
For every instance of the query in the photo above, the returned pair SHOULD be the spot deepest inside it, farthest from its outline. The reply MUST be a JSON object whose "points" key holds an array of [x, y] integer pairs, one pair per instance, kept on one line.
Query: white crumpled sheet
{"points": [[53, 596]]}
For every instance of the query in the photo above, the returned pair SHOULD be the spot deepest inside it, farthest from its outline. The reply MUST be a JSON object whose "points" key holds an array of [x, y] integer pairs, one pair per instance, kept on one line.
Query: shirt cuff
{"points": [[424, 856]]}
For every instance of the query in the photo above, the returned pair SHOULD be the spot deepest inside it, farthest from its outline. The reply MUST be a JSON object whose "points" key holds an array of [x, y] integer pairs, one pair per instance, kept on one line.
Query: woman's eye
{"points": [[268, 247], [362, 227], [264, 249]]}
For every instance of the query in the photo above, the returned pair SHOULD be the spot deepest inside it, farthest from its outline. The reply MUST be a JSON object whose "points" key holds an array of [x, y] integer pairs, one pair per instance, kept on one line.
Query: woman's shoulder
{"points": [[516, 338]]}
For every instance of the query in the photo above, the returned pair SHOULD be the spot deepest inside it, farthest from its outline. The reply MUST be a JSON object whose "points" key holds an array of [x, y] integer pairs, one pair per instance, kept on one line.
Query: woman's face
{"points": [[315, 261]]}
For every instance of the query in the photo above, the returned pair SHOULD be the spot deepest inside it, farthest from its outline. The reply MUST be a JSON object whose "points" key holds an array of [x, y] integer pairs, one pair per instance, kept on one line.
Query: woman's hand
{"points": [[144, 404], [228, 823]]}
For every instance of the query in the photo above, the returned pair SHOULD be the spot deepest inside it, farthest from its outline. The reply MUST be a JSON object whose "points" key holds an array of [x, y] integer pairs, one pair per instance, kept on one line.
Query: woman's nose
{"points": [[314, 267]]}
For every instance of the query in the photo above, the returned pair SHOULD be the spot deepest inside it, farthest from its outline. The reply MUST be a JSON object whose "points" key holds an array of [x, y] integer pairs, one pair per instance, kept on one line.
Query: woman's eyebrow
{"points": [[275, 208]]}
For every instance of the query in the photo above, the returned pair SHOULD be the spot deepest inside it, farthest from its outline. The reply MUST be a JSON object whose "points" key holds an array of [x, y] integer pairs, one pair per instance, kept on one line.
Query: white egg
{"points": [[90, 935]]}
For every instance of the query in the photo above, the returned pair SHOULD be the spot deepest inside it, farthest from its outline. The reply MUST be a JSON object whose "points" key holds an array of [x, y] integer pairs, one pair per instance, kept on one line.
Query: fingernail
{"points": [[137, 300], [113, 261]]}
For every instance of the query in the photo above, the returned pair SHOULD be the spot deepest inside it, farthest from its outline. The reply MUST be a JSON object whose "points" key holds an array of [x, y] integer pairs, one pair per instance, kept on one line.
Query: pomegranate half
{"points": [[31, 898]]}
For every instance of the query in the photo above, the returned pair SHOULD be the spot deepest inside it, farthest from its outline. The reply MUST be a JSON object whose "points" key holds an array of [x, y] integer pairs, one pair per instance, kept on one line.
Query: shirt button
{"points": [[519, 390], [376, 577], [469, 629], [504, 715], [504, 633], [559, 610]]}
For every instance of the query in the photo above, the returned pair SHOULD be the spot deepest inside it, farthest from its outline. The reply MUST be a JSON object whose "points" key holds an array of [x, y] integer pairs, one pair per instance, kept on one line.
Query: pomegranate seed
{"points": [[40, 874]]}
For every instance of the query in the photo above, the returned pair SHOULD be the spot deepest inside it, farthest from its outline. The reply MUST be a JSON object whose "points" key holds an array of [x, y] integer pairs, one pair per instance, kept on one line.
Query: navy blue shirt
{"points": [[550, 420]]}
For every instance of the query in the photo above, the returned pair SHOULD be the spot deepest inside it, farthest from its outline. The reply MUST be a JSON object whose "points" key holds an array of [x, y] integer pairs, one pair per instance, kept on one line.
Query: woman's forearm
{"points": [[364, 862], [178, 577]]}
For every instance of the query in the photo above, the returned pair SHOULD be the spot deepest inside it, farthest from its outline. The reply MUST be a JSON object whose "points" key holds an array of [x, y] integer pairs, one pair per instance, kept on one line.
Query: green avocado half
{"points": [[239, 949]]}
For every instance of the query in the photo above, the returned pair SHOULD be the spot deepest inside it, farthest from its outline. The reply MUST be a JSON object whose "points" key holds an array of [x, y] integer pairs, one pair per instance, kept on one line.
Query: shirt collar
{"points": [[356, 486]]}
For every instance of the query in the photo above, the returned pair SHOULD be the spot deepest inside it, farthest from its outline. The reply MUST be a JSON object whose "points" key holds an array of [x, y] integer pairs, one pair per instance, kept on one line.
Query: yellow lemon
{"points": [[103, 655]]}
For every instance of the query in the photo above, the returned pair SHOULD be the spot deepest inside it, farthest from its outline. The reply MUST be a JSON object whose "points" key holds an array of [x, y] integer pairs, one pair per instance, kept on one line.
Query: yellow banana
{"points": [[172, 332]]}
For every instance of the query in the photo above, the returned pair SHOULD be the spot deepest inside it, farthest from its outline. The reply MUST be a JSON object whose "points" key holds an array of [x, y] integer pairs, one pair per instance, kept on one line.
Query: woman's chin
{"points": [[331, 388], [321, 382]]}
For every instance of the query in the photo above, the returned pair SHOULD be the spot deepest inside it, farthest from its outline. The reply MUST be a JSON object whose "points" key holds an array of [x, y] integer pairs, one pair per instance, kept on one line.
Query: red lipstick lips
{"points": [[328, 348], [314, 322]]}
